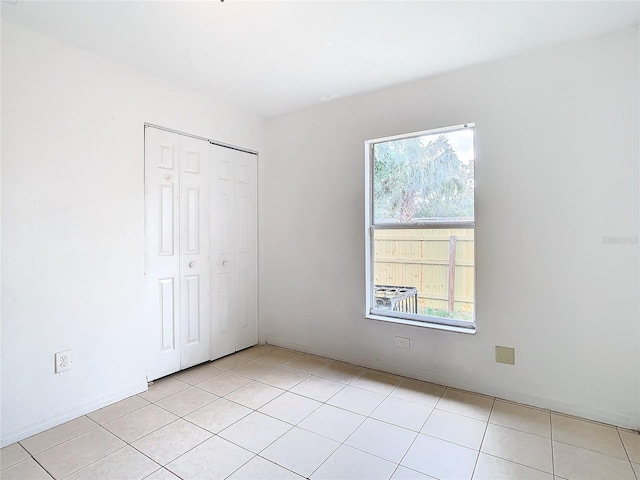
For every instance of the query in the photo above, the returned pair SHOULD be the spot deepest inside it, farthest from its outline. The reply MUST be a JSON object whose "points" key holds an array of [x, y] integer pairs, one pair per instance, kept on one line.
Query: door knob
{"points": [[192, 264], [224, 263]]}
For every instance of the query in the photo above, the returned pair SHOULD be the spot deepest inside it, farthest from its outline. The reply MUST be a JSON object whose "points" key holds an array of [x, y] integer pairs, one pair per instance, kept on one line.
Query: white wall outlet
{"points": [[403, 342], [506, 355], [63, 361]]}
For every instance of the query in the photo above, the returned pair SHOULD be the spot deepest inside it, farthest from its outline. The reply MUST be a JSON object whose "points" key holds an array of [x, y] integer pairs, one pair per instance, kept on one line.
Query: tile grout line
{"points": [[521, 431], [553, 458], [158, 463], [343, 442], [624, 445], [418, 435], [149, 433], [484, 434], [33, 456], [43, 467], [120, 416], [213, 434], [98, 459], [521, 464], [627, 452], [594, 451], [59, 443], [127, 444]]}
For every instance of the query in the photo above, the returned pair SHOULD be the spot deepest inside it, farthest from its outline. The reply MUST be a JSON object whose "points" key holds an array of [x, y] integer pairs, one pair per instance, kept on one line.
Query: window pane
{"points": [[431, 268], [425, 178]]}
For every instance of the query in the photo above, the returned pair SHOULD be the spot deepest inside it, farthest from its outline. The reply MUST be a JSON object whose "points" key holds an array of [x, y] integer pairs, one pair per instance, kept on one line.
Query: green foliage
{"points": [[438, 312], [420, 178]]}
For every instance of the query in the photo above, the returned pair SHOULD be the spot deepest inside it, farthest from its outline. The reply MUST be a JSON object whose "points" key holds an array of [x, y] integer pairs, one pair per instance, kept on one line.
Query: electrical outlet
{"points": [[506, 355], [403, 342], [63, 361]]}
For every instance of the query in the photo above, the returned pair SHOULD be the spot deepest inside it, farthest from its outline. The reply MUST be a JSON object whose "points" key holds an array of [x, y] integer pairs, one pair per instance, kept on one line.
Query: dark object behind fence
{"points": [[397, 299]]}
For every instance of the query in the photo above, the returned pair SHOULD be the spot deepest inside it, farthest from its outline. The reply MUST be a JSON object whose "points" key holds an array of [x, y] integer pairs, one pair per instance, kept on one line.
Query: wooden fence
{"points": [[438, 262]]}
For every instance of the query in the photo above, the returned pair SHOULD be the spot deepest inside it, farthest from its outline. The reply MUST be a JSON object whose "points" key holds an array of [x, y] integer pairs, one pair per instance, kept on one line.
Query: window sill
{"points": [[425, 324]]}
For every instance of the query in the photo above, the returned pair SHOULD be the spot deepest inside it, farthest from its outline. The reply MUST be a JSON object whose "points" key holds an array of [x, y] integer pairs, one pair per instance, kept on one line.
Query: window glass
{"points": [[433, 267], [424, 179]]}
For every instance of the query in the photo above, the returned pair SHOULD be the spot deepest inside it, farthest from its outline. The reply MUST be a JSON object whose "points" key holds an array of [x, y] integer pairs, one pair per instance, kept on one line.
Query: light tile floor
{"points": [[272, 413]]}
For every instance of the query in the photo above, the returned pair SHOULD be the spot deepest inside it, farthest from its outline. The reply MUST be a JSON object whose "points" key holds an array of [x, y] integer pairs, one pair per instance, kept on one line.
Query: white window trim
{"points": [[451, 325]]}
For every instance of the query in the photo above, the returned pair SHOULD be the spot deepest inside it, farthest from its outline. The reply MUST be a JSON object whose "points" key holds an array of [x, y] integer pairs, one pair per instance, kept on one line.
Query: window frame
{"points": [[449, 324]]}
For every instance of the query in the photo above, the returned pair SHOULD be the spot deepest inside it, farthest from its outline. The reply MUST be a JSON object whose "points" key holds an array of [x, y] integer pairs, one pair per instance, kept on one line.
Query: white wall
{"points": [[73, 212], [557, 169]]}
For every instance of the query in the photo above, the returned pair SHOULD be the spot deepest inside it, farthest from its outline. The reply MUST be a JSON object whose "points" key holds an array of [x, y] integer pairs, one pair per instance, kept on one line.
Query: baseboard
{"points": [[610, 418], [11, 437]]}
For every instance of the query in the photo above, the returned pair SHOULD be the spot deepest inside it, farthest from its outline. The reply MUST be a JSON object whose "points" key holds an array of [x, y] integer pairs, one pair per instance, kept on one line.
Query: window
{"points": [[420, 228]]}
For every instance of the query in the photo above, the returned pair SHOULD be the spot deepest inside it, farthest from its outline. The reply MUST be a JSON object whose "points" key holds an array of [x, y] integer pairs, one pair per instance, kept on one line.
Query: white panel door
{"points": [[194, 251], [234, 291], [177, 228], [162, 250]]}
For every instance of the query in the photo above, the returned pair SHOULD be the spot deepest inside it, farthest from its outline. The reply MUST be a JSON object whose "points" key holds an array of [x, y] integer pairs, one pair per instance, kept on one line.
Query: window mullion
{"points": [[421, 226]]}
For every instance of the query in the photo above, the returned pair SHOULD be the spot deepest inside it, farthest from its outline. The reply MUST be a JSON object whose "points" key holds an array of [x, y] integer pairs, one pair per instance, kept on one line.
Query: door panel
{"points": [[194, 251], [243, 296], [247, 253], [167, 215], [222, 236], [193, 308], [161, 255], [225, 287], [193, 222], [167, 314], [234, 251]]}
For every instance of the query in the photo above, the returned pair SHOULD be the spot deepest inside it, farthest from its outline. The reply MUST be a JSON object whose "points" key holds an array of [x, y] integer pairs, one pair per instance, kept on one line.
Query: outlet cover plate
{"points": [[403, 342], [63, 361], [506, 355]]}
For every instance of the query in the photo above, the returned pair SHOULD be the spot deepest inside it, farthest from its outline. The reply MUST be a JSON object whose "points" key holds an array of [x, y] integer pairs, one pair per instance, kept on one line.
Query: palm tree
{"points": [[421, 177]]}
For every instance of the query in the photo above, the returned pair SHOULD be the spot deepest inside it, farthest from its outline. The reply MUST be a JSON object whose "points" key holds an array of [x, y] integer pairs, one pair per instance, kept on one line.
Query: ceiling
{"points": [[272, 57]]}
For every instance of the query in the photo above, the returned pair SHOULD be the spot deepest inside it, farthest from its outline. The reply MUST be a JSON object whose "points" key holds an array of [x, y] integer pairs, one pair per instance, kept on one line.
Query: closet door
{"points": [[177, 247], [234, 310], [162, 250], [194, 251]]}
